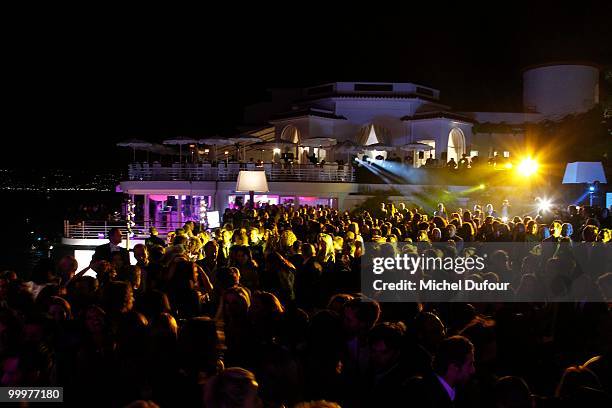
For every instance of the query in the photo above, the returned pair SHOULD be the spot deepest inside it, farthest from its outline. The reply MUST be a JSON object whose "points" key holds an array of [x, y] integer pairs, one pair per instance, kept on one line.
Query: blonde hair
{"points": [[329, 247], [338, 243], [287, 239], [195, 245]]}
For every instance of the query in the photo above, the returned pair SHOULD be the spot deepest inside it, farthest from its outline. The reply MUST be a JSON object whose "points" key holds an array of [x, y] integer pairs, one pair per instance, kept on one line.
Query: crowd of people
{"points": [[268, 311]]}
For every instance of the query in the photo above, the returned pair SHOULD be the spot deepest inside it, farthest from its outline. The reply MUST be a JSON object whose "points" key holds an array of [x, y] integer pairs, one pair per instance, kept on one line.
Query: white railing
{"points": [[99, 229], [229, 172]]}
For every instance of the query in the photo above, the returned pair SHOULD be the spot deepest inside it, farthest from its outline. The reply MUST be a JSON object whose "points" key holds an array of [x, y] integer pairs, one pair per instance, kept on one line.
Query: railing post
{"points": [[83, 230]]}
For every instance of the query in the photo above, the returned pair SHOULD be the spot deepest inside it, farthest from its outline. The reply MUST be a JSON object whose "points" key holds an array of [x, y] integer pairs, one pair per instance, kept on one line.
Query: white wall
{"points": [[557, 90]]}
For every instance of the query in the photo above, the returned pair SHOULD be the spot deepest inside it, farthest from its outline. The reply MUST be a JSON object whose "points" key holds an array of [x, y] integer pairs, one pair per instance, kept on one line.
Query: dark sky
{"points": [[80, 80]]}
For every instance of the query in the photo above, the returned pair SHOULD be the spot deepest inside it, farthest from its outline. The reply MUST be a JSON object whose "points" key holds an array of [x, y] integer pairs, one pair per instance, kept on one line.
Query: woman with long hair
{"points": [[326, 252], [249, 270]]}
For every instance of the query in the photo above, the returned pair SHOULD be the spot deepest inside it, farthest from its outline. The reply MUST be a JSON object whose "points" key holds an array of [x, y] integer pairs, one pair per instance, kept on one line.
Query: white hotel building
{"points": [[364, 113]]}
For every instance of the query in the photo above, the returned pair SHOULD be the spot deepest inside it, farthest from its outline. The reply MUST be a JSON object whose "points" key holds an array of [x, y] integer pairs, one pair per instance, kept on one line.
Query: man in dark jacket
{"points": [[453, 366], [105, 252]]}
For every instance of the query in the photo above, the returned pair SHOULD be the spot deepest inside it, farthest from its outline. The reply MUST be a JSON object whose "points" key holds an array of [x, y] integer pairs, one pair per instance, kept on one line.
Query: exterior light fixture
{"points": [[251, 181]]}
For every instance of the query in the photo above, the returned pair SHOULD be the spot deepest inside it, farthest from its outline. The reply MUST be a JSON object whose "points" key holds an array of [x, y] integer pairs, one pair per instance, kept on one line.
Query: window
{"points": [[506, 153], [373, 87], [473, 153]]}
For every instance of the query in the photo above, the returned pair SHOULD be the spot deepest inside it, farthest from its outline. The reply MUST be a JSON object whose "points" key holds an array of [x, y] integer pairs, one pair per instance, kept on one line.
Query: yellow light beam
{"points": [[527, 167]]}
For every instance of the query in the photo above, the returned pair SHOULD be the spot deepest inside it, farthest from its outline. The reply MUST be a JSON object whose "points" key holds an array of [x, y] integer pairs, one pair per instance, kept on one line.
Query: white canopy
{"points": [[180, 141], [347, 146], [379, 147], [135, 144], [275, 145], [417, 147], [215, 141]]}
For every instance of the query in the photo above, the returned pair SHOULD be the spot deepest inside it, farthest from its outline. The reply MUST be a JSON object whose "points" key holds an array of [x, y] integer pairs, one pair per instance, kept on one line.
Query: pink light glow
{"points": [[158, 197]]}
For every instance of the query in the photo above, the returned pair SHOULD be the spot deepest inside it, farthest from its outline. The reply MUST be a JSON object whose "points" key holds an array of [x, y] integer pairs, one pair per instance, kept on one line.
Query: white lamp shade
{"points": [[584, 172], [252, 181]]}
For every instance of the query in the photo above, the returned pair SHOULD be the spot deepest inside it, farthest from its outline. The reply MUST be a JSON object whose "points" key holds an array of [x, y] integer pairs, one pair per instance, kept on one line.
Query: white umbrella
{"points": [[275, 145], [160, 149], [379, 147], [180, 141], [215, 141], [417, 147], [347, 147], [135, 144], [244, 140]]}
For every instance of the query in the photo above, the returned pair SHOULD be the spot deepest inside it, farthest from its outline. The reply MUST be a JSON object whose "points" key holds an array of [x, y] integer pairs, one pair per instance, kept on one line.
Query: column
{"points": [[179, 211], [147, 219]]}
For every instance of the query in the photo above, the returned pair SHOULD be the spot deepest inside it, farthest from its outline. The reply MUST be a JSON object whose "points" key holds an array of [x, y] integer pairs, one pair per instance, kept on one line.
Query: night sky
{"points": [[79, 84]]}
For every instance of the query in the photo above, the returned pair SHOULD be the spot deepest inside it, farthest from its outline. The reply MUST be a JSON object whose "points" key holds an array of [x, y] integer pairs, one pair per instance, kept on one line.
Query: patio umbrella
{"points": [[244, 140], [180, 141], [417, 147], [282, 144], [347, 147], [135, 144], [160, 149], [215, 141], [379, 147]]}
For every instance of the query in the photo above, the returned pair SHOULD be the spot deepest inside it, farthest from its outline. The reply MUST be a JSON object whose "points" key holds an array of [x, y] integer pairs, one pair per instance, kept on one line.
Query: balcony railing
{"points": [[100, 229], [229, 172]]}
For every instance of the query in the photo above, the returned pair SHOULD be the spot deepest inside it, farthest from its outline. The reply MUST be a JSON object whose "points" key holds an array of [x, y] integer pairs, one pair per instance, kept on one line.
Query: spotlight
{"points": [[591, 188], [504, 219], [544, 205], [482, 186], [527, 167]]}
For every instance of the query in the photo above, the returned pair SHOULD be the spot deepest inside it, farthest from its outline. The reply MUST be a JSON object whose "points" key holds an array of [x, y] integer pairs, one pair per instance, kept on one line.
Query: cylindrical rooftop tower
{"points": [[558, 89]]}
